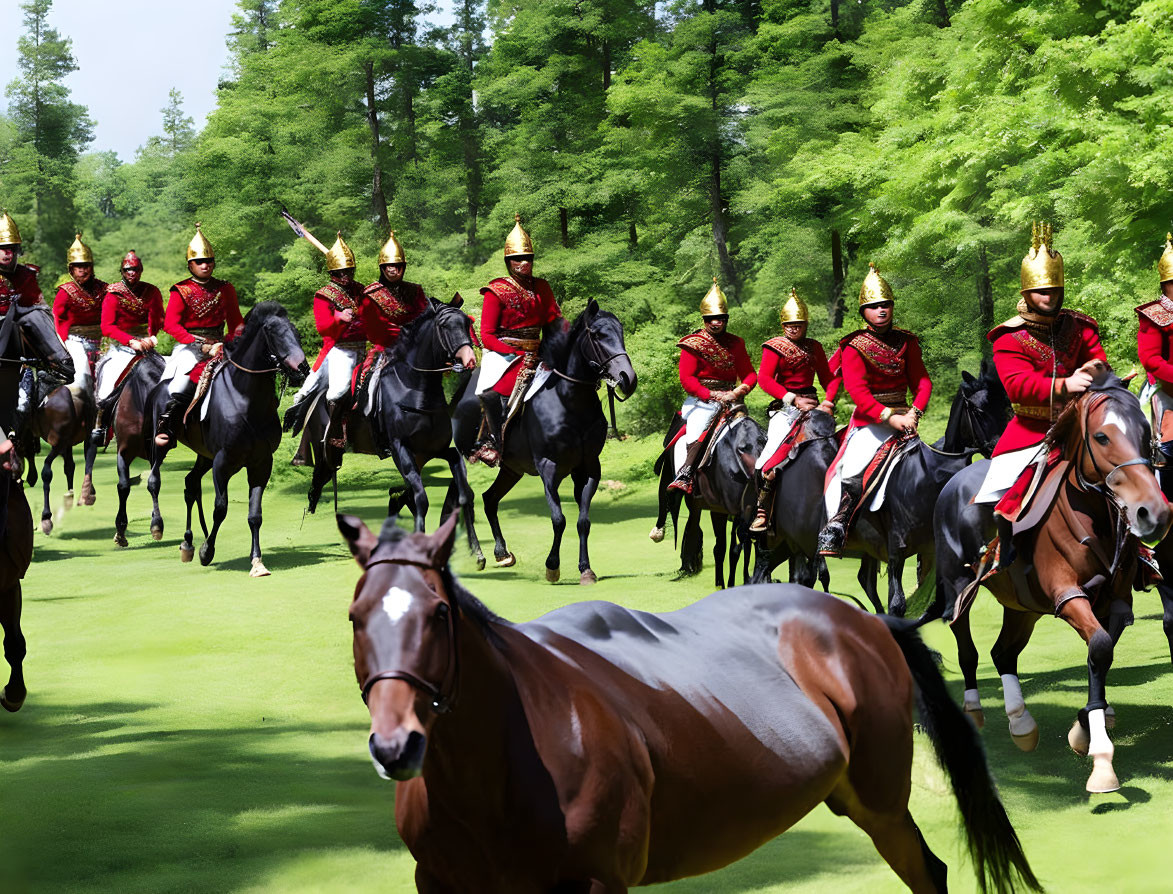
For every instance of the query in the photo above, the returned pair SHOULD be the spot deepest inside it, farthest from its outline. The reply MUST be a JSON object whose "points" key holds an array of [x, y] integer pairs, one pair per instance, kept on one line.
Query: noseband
{"points": [[443, 697], [596, 359]]}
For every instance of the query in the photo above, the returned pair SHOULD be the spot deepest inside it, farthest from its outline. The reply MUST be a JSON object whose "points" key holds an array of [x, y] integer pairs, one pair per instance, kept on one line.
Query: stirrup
{"points": [[760, 522]]}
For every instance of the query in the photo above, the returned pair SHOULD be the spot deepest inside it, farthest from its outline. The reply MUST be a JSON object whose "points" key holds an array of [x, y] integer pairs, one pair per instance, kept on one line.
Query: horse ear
{"points": [[457, 300], [1128, 378], [592, 307], [359, 538], [443, 540], [966, 377]]}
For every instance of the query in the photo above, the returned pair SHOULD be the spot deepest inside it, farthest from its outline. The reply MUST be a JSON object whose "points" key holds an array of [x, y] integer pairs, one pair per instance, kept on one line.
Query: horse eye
{"points": [[442, 611], [1101, 437]]}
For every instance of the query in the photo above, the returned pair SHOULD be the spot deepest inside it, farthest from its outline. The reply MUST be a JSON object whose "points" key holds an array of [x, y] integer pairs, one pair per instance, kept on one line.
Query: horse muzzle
{"points": [[623, 378], [399, 756], [300, 370], [1150, 520]]}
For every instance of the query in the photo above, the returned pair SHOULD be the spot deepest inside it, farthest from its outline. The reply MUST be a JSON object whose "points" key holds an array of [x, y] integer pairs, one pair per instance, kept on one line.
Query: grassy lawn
{"points": [[192, 729]]}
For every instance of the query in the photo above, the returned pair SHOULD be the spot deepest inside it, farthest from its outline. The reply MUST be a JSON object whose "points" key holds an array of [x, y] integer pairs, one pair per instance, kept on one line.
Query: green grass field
{"points": [[192, 729]]}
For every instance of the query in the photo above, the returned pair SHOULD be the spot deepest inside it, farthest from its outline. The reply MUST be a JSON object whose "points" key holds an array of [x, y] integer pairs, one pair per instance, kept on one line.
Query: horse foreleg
{"points": [[192, 486], [12, 696], [258, 477], [221, 473], [46, 480], [869, 571], [153, 482], [896, 602], [120, 520], [1017, 627], [89, 453], [1089, 734], [719, 547], [465, 503], [548, 472], [586, 482], [491, 499], [409, 468], [322, 473], [68, 467], [692, 543]]}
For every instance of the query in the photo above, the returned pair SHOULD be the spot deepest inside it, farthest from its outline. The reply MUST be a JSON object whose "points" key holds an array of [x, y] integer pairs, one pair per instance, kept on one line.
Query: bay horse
{"points": [[27, 336], [241, 429], [128, 427], [1078, 563], [599, 748], [410, 415], [561, 430], [63, 420]]}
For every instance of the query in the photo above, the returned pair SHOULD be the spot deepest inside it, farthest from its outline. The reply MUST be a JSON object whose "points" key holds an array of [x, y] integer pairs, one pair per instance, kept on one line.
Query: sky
{"points": [[130, 53]]}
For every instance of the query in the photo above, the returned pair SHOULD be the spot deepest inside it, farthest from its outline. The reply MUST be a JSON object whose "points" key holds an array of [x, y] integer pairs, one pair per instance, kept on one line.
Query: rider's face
{"points": [[716, 324], [392, 273], [879, 315], [343, 277], [131, 275], [522, 265], [1045, 301], [8, 255], [794, 331], [81, 273], [201, 268]]}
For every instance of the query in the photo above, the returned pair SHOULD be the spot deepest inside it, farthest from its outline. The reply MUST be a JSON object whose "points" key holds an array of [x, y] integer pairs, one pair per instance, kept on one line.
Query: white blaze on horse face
{"points": [[1114, 418], [396, 602]]}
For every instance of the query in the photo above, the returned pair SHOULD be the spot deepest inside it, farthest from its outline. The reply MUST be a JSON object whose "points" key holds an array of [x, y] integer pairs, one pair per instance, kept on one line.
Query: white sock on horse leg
{"points": [[1100, 743], [971, 701], [1021, 723]]}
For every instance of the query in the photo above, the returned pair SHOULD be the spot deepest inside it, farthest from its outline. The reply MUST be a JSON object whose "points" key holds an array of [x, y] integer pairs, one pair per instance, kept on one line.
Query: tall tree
{"points": [[178, 130]]}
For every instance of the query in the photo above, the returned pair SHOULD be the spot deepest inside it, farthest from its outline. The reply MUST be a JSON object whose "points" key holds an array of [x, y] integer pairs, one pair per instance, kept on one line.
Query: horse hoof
{"points": [[1110, 717], [976, 716], [120, 540], [552, 574], [186, 552], [1027, 741], [207, 553], [46, 526], [258, 569], [1079, 739], [656, 535], [506, 561], [480, 562], [11, 705], [87, 492], [157, 531], [1103, 778], [588, 577], [67, 501]]}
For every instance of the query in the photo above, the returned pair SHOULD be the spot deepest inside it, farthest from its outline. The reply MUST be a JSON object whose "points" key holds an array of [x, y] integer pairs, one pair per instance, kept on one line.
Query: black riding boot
{"points": [[765, 502], [101, 423], [165, 427], [834, 533], [339, 411], [687, 471], [488, 449]]}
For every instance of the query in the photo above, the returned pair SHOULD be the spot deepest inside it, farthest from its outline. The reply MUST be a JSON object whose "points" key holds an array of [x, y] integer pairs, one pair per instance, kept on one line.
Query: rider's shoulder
{"points": [[1158, 312], [26, 270], [850, 337], [694, 340], [1082, 319], [1014, 324]]}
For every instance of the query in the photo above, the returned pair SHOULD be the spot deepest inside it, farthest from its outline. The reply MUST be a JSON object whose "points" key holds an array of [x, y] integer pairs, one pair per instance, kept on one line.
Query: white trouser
{"points": [[182, 361], [337, 370], [79, 349], [781, 421], [1004, 471], [494, 365], [862, 444], [110, 367], [697, 415]]}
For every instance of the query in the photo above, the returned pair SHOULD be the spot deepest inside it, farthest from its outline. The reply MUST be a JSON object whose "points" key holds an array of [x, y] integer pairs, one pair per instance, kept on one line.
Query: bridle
{"points": [[443, 696], [448, 341], [599, 362], [1102, 487]]}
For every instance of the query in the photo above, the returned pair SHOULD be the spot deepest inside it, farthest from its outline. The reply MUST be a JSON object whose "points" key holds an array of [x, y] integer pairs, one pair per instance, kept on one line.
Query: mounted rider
{"points": [[513, 313], [880, 365], [344, 344], [1044, 355], [790, 364], [18, 283], [77, 313], [1154, 343], [199, 309], [716, 374], [132, 315]]}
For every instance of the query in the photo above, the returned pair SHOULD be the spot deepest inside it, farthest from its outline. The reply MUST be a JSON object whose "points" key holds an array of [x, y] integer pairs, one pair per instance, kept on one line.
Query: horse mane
{"points": [[406, 345], [255, 318], [1108, 384], [557, 339]]}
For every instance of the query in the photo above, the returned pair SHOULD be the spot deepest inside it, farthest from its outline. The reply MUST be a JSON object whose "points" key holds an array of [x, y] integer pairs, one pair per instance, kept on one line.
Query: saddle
{"points": [[796, 437], [881, 466], [211, 369]]}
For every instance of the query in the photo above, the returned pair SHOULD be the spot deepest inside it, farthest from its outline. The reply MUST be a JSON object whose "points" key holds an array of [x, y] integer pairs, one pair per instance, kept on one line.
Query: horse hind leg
{"points": [[90, 453], [68, 467], [46, 481], [1015, 634], [120, 520], [585, 485], [1090, 729], [491, 499], [719, 548], [13, 694]]}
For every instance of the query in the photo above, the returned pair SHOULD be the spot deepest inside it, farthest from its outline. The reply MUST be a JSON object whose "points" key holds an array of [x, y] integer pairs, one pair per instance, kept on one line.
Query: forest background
{"points": [[649, 147]]}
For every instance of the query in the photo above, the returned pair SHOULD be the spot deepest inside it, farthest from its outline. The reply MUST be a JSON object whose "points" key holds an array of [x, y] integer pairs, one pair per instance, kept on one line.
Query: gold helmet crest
{"points": [[391, 252], [518, 243], [339, 257], [79, 252], [199, 249], [1164, 265], [1042, 268], [875, 289], [794, 310], [714, 304], [9, 234]]}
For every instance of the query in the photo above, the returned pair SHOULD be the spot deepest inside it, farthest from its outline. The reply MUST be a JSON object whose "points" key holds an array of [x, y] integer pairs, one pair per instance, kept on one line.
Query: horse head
{"points": [[1106, 435], [41, 340], [603, 349], [980, 412], [406, 616], [269, 321]]}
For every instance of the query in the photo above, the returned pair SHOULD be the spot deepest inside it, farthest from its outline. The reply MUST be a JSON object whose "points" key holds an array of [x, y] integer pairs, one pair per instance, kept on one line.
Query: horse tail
{"points": [[993, 844]]}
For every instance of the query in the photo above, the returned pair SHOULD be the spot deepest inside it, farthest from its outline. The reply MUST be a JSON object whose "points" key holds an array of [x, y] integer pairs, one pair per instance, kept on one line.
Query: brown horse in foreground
{"points": [[598, 747], [1079, 561]]}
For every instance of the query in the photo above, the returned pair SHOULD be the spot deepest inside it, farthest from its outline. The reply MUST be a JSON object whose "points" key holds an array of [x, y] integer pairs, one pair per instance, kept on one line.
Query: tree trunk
{"points": [[835, 20], [606, 65], [985, 296], [943, 13], [717, 210], [378, 197], [835, 308], [564, 220], [632, 235]]}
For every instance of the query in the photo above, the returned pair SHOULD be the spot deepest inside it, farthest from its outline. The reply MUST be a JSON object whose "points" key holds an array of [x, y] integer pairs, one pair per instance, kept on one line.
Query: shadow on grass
{"points": [[96, 797]]}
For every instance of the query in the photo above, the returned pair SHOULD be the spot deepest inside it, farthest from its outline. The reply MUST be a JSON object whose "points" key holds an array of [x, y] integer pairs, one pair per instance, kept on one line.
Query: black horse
{"points": [[130, 430], [409, 420], [241, 430], [902, 526], [562, 429]]}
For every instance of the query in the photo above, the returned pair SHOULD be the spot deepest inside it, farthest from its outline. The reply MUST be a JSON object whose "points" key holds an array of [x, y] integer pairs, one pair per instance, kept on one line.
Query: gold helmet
{"points": [[713, 304], [339, 257], [391, 252], [199, 249], [794, 310], [1164, 265], [875, 289], [1042, 268], [79, 252], [9, 234], [518, 243]]}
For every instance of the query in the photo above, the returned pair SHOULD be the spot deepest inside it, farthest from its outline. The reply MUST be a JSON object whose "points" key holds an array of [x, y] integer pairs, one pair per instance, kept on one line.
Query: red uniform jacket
{"points": [[1028, 368], [721, 360], [887, 366], [792, 366], [125, 309], [329, 303], [75, 305], [1154, 341], [20, 284], [386, 310], [212, 305], [509, 305]]}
